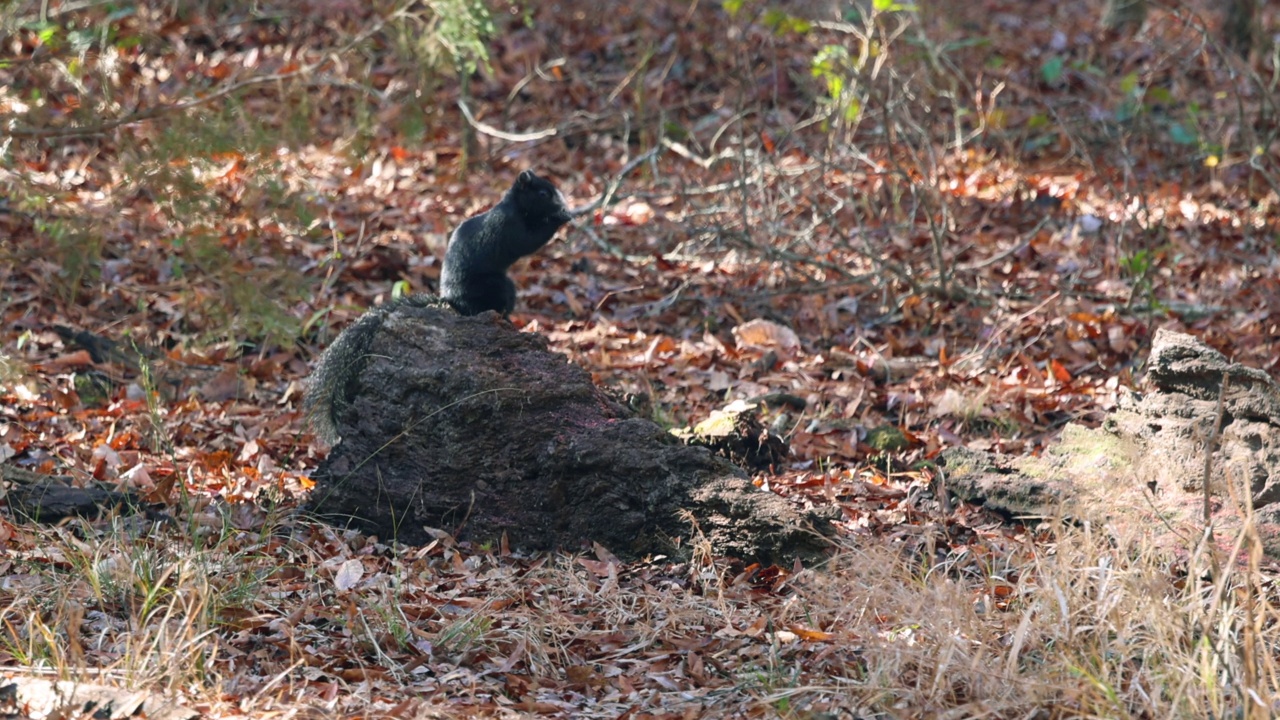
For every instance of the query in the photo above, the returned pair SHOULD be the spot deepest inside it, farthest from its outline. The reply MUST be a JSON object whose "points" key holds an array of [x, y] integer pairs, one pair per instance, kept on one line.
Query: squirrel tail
{"points": [[333, 382]]}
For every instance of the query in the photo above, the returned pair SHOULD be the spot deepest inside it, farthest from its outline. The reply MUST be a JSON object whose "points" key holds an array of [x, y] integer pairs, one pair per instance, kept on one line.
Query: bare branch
{"points": [[492, 131]]}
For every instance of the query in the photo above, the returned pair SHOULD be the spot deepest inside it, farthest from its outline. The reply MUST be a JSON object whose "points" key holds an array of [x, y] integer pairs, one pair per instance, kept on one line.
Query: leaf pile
{"points": [[945, 224]]}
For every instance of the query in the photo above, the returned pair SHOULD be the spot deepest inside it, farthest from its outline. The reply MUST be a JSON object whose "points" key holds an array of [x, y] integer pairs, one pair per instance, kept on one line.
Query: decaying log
{"points": [[1143, 471], [41, 498], [468, 426]]}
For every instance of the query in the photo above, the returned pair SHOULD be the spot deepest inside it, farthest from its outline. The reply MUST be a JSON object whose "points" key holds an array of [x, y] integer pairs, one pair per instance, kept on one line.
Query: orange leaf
{"points": [[810, 634], [217, 460], [162, 491], [79, 358], [757, 627], [1059, 371]]}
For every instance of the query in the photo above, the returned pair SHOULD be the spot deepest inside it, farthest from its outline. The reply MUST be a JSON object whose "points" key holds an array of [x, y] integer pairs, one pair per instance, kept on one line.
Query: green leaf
{"points": [[47, 34], [835, 86], [773, 18], [1181, 135], [800, 26], [1129, 83], [830, 60], [1051, 70], [852, 110], [1136, 264], [733, 7]]}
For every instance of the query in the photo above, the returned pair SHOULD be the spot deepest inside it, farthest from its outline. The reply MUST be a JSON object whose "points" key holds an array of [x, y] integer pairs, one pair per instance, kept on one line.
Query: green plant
{"points": [[77, 250], [1139, 266], [837, 69], [463, 634], [439, 38]]}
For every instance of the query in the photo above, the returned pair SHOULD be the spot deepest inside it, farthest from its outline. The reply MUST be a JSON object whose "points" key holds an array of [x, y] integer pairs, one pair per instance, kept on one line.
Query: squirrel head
{"points": [[539, 202]]}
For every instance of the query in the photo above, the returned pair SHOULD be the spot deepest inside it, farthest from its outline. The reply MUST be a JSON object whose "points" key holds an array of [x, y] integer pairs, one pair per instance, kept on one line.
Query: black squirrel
{"points": [[474, 276], [473, 279]]}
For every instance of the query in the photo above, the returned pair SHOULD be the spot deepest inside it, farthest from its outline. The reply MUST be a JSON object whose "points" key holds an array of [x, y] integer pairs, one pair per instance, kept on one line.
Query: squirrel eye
{"points": [[544, 192]]}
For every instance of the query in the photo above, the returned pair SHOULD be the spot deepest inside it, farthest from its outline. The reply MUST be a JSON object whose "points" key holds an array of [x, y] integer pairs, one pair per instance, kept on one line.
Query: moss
{"points": [[887, 438]]}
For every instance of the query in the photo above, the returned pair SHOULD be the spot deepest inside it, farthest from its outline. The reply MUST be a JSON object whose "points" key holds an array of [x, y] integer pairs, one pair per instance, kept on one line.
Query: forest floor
{"points": [[962, 224]]}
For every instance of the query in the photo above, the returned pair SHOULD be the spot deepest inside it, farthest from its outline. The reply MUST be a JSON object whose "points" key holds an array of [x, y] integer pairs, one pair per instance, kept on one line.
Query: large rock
{"points": [[1143, 471], [465, 425]]}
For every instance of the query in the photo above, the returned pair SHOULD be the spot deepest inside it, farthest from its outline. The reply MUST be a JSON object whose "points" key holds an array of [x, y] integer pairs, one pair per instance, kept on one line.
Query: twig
{"points": [[152, 113], [940, 488], [798, 259], [613, 185], [47, 13], [603, 244], [1026, 242], [495, 132], [615, 293], [537, 72], [687, 154]]}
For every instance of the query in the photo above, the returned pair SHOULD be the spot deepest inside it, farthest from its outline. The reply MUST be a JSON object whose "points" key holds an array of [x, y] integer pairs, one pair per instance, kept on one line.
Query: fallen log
{"points": [[467, 426]]}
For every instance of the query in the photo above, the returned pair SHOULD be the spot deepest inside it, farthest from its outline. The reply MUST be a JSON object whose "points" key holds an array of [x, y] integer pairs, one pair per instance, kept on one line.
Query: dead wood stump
{"points": [[1143, 471], [464, 424]]}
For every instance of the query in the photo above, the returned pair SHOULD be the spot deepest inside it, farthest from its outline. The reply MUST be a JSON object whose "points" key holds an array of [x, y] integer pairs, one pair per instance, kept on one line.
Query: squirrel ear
{"points": [[526, 177]]}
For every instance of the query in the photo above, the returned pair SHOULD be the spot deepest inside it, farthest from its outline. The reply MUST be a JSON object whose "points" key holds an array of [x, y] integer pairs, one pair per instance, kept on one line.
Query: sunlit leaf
{"points": [[348, 575]]}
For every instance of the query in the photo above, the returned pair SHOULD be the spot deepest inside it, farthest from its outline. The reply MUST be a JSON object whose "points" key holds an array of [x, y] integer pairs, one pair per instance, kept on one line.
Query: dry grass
{"points": [[1082, 625]]}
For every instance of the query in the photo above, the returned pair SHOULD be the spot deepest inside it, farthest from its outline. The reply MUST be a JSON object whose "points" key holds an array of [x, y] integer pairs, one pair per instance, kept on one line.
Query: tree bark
{"points": [[467, 426]]}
